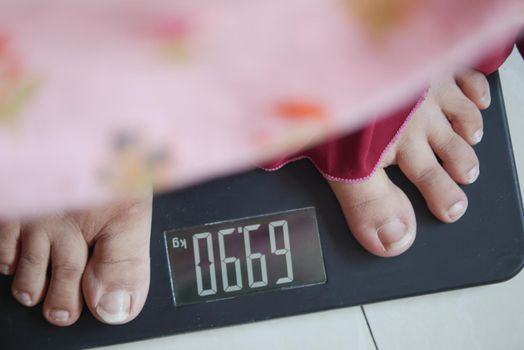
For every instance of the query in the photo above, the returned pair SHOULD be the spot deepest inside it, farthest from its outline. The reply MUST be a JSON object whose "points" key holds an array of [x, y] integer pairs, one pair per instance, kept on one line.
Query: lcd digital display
{"points": [[236, 257]]}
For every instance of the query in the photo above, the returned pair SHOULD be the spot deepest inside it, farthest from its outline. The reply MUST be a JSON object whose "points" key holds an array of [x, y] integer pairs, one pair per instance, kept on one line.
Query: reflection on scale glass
{"points": [[257, 247]]}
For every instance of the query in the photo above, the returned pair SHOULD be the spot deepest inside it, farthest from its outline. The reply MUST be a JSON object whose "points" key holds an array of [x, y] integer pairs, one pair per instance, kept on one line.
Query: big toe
{"points": [[116, 279], [378, 213]]}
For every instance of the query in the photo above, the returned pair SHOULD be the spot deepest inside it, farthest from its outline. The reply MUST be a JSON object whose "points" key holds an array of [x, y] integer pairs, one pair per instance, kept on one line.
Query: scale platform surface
{"points": [[485, 246]]}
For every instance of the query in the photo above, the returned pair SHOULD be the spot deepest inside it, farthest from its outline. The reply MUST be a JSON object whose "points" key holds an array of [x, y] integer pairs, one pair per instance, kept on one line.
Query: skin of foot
{"points": [[113, 281], [445, 127]]}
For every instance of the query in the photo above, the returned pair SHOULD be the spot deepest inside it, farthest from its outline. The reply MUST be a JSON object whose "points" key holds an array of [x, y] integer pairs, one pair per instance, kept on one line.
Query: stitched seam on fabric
{"points": [[393, 140]]}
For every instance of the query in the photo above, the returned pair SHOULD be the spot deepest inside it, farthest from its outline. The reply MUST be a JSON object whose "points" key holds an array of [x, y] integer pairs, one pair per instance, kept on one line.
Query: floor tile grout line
{"points": [[369, 327]]}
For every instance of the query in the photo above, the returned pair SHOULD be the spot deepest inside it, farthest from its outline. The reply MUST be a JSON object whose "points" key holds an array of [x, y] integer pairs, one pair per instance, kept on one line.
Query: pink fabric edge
{"points": [[393, 140]]}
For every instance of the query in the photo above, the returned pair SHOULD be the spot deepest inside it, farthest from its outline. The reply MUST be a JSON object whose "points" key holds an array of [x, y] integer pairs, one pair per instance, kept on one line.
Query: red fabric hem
{"points": [[356, 157], [330, 176]]}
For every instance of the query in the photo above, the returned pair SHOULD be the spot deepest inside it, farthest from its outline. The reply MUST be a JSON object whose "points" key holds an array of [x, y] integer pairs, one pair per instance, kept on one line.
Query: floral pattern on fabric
{"points": [[207, 87], [16, 88]]}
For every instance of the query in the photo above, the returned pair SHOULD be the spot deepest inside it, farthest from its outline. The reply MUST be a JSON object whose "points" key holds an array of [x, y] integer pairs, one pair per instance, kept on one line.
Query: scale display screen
{"points": [[243, 256]]}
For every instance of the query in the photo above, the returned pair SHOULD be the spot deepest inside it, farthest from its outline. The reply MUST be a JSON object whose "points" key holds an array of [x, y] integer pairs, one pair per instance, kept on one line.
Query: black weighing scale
{"points": [[278, 246]]}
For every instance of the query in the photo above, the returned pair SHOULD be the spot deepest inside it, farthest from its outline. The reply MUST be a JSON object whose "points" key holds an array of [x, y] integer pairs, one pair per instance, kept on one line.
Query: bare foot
{"points": [[444, 127], [113, 281]]}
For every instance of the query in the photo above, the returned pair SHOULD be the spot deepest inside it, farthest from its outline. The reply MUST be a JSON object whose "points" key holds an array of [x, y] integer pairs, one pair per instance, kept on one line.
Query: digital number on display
{"points": [[243, 256]]}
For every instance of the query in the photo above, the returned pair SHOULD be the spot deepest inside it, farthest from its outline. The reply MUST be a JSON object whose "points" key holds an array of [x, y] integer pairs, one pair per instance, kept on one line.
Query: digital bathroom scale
{"points": [[261, 245]]}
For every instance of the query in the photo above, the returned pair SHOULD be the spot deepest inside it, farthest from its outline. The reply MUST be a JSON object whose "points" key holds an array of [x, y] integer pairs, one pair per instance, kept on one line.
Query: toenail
{"points": [[59, 315], [24, 298], [394, 235], [4, 269], [457, 210], [114, 307], [473, 174], [477, 136], [485, 100]]}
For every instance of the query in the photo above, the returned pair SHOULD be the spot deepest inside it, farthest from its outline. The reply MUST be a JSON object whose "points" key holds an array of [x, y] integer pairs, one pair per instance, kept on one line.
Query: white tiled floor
{"points": [[489, 317]]}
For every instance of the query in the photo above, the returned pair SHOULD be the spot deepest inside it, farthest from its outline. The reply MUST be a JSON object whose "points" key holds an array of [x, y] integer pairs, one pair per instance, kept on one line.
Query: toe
{"points": [[63, 302], [9, 235], [116, 279], [378, 214], [443, 196], [458, 157], [463, 114], [475, 86], [30, 277]]}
